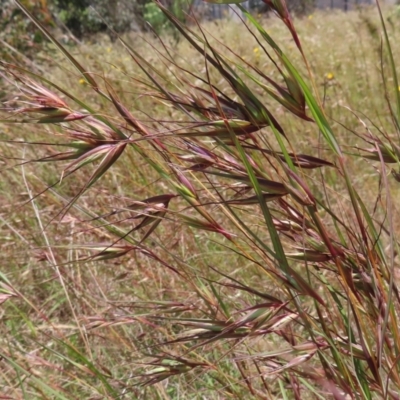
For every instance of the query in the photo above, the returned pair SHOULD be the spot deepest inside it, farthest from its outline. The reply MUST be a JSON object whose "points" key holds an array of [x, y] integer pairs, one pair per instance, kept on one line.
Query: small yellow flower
{"points": [[398, 88], [108, 49], [82, 81], [310, 16], [256, 50], [329, 76]]}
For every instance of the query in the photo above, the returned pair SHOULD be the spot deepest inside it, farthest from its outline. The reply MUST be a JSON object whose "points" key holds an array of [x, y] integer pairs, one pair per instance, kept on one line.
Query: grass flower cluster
{"points": [[217, 221]]}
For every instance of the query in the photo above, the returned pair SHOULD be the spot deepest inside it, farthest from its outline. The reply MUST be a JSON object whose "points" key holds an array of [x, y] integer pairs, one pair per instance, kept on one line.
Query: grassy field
{"points": [[200, 309]]}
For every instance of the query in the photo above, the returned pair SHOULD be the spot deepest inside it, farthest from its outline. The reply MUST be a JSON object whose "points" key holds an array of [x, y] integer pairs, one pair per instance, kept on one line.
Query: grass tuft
{"points": [[214, 218]]}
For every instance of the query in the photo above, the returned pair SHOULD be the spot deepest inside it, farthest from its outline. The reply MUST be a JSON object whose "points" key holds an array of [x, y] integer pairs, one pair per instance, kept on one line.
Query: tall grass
{"points": [[219, 227]]}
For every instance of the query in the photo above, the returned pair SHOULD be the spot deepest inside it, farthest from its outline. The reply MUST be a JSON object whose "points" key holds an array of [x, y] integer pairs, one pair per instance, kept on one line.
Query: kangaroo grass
{"points": [[252, 266]]}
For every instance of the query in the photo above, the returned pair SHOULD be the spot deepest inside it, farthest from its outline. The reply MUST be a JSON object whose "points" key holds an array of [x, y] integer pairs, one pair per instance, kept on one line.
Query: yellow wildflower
{"points": [[329, 76], [310, 16], [82, 81], [108, 49], [256, 50]]}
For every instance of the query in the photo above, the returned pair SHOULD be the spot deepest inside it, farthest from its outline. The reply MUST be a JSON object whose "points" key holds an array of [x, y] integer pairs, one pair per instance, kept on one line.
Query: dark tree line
{"points": [[83, 17]]}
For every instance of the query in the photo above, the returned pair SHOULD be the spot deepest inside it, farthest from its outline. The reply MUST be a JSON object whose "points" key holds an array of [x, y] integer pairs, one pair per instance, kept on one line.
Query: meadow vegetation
{"points": [[213, 217]]}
